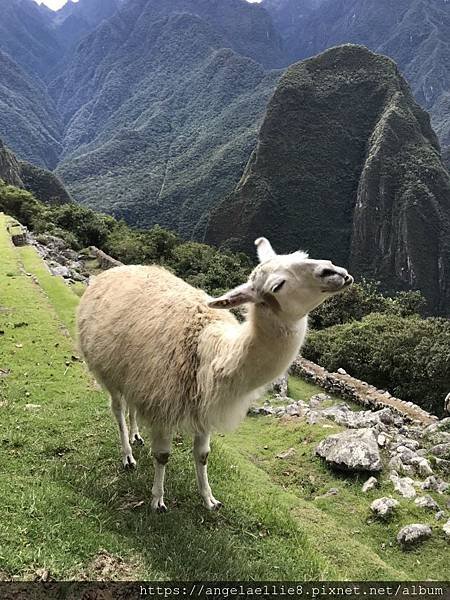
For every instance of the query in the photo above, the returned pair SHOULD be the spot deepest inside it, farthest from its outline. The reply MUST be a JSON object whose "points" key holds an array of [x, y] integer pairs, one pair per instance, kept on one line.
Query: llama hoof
{"points": [[212, 504], [158, 505], [137, 440], [128, 462]]}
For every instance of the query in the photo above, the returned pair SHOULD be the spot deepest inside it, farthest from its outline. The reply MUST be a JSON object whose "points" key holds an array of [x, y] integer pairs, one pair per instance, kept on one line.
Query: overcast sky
{"points": [[55, 4]]}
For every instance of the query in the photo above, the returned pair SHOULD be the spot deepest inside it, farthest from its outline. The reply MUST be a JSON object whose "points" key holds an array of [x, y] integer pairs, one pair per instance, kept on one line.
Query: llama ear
{"points": [[235, 297], [264, 249]]}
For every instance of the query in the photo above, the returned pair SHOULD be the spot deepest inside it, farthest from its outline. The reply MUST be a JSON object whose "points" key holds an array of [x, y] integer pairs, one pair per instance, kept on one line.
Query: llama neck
{"points": [[264, 347]]}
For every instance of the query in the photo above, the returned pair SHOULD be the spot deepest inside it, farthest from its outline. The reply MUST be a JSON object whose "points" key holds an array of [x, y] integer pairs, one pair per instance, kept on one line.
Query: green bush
{"points": [[408, 356], [362, 299]]}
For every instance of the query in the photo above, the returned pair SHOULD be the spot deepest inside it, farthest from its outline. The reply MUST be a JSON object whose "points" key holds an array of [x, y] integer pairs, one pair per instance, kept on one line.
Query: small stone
{"points": [[441, 450], [318, 399], [32, 406], [370, 484], [331, 492], [413, 534], [446, 528], [426, 502], [287, 454], [383, 507], [403, 485], [424, 468], [435, 484], [381, 440], [342, 371], [440, 515]]}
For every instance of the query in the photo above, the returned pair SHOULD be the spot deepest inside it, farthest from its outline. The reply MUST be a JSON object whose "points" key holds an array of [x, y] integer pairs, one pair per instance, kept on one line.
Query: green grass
{"points": [[64, 498]]}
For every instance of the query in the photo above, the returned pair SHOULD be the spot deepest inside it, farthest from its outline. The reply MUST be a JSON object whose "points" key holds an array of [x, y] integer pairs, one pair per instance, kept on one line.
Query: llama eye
{"points": [[278, 286]]}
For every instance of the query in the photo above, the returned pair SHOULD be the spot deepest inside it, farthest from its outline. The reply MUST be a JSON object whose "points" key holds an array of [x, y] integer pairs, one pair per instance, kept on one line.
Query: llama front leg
{"points": [[135, 436], [201, 452], [118, 410], [161, 444]]}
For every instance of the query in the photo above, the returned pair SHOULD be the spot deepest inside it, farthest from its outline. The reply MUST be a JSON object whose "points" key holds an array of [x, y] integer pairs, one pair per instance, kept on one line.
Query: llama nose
{"points": [[348, 279]]}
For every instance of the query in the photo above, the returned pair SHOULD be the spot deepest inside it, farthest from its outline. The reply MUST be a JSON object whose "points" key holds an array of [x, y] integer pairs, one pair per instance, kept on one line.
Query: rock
{"points": [[426, 502], [446, 529], [318, 399], [403, 485], [381, 440], [396, 464], [435, 484], [32, 406], [383, 507], [440, 515], [370, 484], [351, 451], [413, 534], [60, 271], [342, 371], [266, 410], [287, 454], [443, 464], [441, 450], [331, 492], [313, 417], [280, 386], [424, 468]]}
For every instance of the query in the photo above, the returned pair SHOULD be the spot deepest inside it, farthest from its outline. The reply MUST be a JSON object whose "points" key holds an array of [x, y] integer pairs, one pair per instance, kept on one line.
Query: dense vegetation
{"points": [[415, 33], [373, 195], [409, 356], [199, 264]]}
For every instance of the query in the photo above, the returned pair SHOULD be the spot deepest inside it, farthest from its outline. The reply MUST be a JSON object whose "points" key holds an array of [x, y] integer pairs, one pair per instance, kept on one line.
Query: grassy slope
{"points": [[64, 497]]}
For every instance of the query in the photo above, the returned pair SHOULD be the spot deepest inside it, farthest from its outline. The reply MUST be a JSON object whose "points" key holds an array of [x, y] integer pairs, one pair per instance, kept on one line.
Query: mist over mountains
{"points": [[155, 111]]}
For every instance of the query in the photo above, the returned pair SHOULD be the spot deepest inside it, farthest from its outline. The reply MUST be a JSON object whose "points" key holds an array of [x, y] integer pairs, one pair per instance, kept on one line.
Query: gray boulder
{"points": [[426, 502], [446, 529], [354, 450], [383, 507], [403, 485], [413, 534]]}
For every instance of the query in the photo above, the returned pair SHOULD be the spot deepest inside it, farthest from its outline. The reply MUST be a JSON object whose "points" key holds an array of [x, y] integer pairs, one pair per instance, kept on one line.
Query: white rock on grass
{"points": [[440, 515], [354, 450], [446, 529], [426, 502], [370, 484], [435, 484], [403, 485], [413, 534], [383, 507]]}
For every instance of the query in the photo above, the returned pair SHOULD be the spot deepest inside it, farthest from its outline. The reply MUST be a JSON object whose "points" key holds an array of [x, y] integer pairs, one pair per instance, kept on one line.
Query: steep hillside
{"points": [[29, 122], [162, 113], [348, 167], [26, 35], [415, 33], [76, 19], [42, 183]]}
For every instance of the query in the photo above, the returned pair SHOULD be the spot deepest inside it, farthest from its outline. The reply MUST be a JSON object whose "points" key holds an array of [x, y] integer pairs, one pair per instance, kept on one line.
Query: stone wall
{"points": [[358, 391]]}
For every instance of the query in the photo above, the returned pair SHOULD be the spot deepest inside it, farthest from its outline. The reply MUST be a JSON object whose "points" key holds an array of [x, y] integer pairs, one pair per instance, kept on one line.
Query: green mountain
{"points": [[162, 108], [29, 122], [347, 167], [26, 34], [415, 33], [42, 183]]}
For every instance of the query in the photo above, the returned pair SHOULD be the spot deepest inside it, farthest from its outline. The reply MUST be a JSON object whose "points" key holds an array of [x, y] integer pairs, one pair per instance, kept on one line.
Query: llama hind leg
{"points": [[161, 445], [201, 452], [118, 410], [135, 436]]}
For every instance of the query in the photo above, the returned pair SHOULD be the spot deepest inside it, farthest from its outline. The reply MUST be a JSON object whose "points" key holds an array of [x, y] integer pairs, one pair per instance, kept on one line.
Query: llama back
{"points": [[138, 331]]}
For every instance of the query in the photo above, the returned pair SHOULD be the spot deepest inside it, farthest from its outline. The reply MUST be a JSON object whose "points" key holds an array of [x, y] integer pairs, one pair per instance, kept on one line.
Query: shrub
{"points": [[409, 356]]}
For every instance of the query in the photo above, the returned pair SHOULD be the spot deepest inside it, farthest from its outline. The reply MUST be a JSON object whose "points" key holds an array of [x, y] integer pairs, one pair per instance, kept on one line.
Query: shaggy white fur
{"points": [[165, 352]]}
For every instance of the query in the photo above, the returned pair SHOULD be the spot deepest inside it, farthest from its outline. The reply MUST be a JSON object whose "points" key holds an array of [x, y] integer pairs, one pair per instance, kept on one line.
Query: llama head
{"points": [[290, 285]]}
